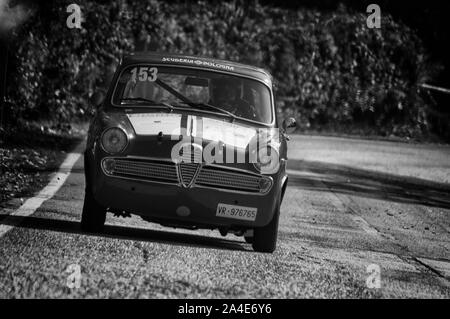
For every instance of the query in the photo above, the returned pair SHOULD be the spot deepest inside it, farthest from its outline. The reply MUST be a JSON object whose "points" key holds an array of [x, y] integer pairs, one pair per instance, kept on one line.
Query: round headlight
{"points": [[268, 160], [114, 140]]}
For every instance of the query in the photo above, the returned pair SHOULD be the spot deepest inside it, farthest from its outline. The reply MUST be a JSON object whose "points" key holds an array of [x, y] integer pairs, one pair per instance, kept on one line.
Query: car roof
{"points": [[199, 62]]}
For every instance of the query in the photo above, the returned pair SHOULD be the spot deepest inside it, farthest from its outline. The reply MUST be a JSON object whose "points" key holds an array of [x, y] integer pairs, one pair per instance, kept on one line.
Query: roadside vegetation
{"points": [[331, 71]]}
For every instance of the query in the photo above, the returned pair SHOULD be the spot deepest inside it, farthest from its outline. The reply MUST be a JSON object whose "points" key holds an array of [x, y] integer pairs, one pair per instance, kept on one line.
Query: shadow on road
{"points": [[365, 183], [121, 232]]}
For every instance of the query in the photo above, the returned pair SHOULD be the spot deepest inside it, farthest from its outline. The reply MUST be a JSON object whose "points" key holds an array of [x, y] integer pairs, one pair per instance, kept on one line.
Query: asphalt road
{"points": [[350, 204]]}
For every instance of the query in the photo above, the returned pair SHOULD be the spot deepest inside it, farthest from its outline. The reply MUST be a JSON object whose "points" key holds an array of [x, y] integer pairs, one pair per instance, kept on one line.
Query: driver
{"points": [[226, 94]]}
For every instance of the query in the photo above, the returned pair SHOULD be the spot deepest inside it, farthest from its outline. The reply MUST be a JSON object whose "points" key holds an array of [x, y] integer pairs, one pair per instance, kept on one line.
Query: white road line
{"points": [[33, 203]]}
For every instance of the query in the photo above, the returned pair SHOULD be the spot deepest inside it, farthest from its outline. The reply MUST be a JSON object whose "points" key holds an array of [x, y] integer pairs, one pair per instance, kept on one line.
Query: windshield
{"points": [[181, 87]]}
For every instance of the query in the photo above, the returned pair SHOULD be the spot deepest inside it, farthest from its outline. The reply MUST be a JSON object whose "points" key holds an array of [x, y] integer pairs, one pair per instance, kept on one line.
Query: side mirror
{"points": [[96, 99], [289, 125]]}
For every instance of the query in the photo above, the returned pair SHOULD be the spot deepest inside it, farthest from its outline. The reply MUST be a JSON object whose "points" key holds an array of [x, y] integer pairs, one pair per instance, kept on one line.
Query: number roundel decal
{"points": [[144, 73]]}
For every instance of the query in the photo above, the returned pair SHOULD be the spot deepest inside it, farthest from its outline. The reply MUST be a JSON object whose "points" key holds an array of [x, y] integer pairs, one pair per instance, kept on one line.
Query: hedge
{"points": [[330, 69]]}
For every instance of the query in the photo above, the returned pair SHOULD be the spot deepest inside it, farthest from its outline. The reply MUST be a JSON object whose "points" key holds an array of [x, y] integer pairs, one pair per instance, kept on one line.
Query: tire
{"points": [[249, 239], [93, 216], [265, 238]]}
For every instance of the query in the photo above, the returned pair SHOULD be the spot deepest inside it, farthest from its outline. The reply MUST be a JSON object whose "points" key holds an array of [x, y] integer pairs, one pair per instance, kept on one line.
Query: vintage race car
{"points": [[188, 142]]}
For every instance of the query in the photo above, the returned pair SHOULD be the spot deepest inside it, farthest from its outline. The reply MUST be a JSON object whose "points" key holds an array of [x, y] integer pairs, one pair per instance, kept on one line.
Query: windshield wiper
{"points": [[210, 107], [148, 101]]}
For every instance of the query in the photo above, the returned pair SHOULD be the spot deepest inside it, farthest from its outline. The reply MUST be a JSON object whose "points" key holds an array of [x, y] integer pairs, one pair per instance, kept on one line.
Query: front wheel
{"points": [[94, 215], [265, 238]]}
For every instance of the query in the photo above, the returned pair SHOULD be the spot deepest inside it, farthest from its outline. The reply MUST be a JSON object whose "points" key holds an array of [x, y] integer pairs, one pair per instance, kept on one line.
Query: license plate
{"points": [[236, 212]]}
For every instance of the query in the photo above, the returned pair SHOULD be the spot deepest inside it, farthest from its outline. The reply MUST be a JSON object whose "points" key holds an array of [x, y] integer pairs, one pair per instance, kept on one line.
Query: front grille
{"points": [[187, 172], [220, 178], [146, 170]]}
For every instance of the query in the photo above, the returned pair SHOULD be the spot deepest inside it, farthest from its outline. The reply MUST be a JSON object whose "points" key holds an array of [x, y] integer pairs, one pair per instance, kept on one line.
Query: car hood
{"points": [[206, 128]]}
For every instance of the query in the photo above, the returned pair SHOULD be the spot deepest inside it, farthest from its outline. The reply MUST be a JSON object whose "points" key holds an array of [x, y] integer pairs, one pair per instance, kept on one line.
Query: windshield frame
{"points": [[127, 66]]}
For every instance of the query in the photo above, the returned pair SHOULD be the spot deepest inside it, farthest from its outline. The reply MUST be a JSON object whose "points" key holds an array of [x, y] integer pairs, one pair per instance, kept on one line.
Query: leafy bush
{"points": [[57, 68], [330, 70]]}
